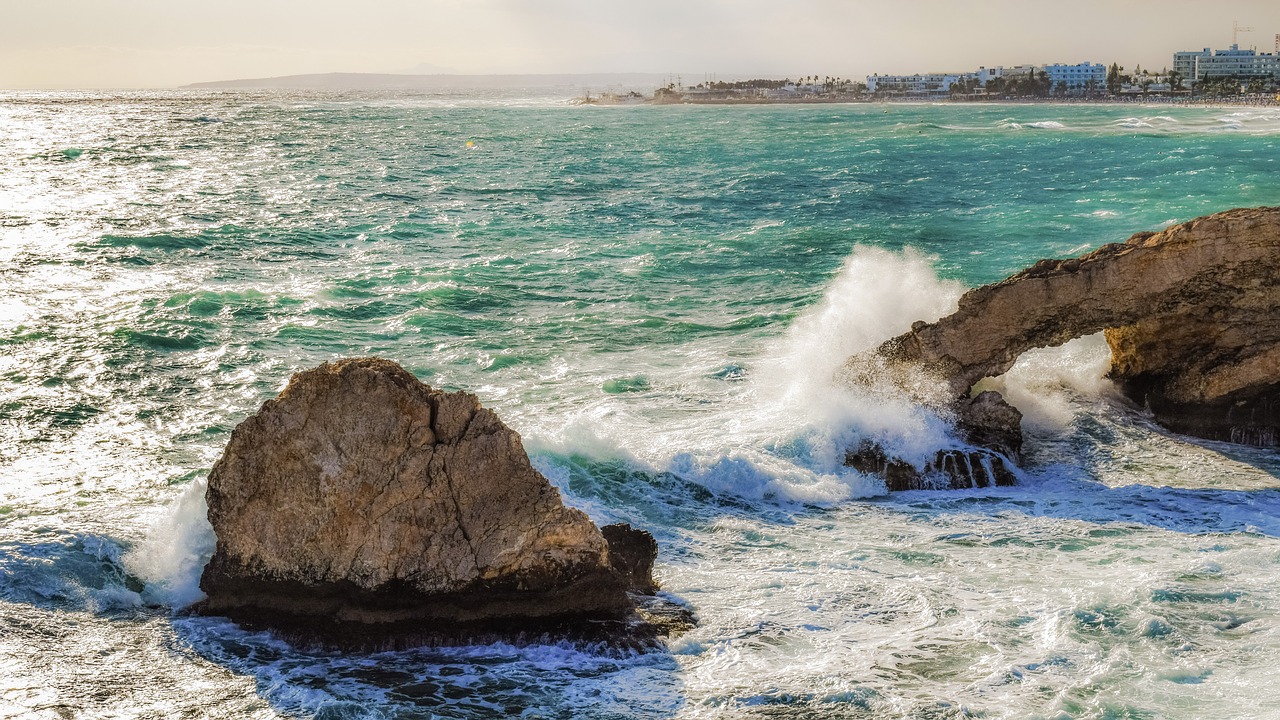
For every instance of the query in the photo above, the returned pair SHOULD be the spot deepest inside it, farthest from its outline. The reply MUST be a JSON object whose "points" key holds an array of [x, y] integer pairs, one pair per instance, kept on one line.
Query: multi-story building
{"points": [[1233, 62], [937, 85], [1079, 78], [929, 85], [986, 74], [1020, 71]]}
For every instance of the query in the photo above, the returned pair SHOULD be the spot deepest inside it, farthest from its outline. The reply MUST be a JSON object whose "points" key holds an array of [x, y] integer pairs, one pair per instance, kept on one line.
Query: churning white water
{"points": [[663, 301]]}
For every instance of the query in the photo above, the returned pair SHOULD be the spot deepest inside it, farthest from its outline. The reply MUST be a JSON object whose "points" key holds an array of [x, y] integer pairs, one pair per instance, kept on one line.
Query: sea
{"points": [[660, 300]]}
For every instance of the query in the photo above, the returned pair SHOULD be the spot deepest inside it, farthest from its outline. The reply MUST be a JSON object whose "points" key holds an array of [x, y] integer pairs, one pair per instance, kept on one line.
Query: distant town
{"points": [[1233, 75]]}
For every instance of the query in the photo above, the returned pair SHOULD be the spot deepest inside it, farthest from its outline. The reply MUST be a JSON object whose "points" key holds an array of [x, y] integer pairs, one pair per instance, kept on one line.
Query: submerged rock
{"points": [[988, 452], [361, 501], [951, 469]]}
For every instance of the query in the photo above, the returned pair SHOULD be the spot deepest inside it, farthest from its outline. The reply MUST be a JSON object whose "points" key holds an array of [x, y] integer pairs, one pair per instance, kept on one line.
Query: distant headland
{"points": [[388, 81]]}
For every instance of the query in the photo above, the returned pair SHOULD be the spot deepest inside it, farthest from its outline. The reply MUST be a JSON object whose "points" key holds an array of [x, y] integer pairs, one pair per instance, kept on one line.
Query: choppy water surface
{"points": [[657, 298]]}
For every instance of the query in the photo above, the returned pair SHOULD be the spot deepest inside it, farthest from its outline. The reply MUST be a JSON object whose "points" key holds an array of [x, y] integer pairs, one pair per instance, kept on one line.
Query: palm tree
{"points": [[1113, 78]]}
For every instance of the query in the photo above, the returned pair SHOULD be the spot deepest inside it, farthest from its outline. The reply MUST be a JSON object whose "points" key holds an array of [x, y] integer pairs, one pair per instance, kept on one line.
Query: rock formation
{"points": [[993, 430], [631, 554], [1192, 315], [361, 498]]}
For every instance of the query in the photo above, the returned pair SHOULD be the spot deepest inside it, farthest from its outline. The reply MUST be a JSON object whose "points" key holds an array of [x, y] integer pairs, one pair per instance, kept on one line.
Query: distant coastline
{"points": [[664, 93], [391, 81], [1241, 101], [785, 92]]}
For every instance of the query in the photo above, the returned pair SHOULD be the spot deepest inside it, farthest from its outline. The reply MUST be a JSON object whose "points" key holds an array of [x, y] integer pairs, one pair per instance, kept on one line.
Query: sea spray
{"points": [[783, 431], [877, 295], [1082, 592], [170, 558], [1044, 381]]}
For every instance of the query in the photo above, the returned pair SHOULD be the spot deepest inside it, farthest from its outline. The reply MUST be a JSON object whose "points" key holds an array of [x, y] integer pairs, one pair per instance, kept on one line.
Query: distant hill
{"points": [[378, 81]]}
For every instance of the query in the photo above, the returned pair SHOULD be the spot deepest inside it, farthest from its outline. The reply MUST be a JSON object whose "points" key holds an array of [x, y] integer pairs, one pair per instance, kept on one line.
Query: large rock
{"points": [[1192, 315], [361, 497]]}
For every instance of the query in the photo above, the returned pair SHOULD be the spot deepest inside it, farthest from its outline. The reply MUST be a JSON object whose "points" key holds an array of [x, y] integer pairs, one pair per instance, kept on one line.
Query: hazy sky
{"points": [[159, 43]]}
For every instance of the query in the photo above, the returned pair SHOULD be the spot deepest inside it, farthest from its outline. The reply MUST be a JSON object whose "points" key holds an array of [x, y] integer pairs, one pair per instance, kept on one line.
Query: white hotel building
{"points": [[1233, 62], [930, 85]]}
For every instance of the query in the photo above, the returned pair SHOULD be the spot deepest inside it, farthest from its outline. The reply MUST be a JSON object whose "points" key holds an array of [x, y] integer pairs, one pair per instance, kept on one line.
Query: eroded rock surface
{"points": [[361, 496], [1192, 315], [987, 421], [632, 553], [951, 469]]}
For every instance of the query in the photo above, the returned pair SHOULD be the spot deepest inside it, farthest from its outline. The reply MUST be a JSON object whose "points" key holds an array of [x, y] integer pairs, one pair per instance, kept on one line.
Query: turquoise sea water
{"points": [[658, 299]]}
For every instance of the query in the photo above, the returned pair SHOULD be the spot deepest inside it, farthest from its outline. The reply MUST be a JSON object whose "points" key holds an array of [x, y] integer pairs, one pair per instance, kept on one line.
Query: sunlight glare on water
{"points": [[659, 299]]}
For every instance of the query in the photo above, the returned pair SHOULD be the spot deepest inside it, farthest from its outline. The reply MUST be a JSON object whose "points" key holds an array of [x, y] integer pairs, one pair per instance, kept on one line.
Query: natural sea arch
{"points": [[1192, 315]]}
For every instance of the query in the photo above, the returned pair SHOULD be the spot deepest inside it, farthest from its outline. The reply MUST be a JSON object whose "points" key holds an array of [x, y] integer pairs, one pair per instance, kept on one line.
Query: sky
{"points": [[62, 44]]}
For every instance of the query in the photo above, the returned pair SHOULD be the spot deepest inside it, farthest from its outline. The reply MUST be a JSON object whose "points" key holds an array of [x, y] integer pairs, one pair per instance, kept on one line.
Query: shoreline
{"points": [[1165, 102], [555, 98]]}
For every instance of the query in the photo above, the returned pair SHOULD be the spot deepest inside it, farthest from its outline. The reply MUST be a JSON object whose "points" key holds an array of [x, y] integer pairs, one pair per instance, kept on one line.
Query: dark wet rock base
{"points": [[957, 469], [344, 616], [649, 621]]}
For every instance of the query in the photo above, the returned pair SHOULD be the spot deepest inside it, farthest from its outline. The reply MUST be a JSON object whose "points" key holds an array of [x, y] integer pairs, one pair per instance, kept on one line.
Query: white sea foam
{"points": [[1011, 124], [1042, 380], [1132, 574], [169, 560], [877, 295], [1259, 121], [782, 434]]}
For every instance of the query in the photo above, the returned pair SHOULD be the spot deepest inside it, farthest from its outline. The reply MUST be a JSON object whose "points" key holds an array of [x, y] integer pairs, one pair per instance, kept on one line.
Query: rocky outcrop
{"points": [[952, 469], [631, 554], [362, 499], [992, 429], [1192, 315]]}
